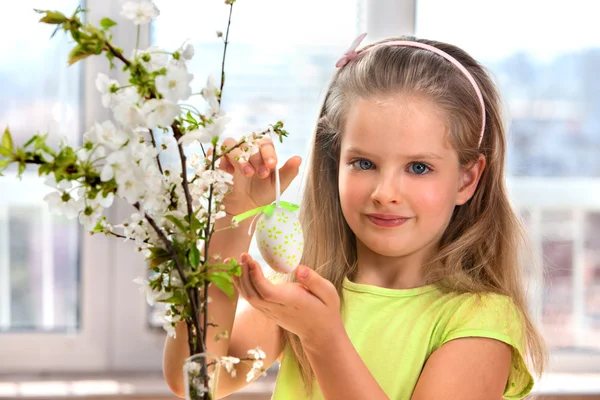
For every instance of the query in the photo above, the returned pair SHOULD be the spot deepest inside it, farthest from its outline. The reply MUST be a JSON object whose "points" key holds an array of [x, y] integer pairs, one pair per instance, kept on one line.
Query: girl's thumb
{"points": [[316, 284], [289, 171]]}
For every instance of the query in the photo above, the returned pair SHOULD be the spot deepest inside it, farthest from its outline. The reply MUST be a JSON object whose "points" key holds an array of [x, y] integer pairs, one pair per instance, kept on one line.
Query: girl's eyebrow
{"points": [[420, 156]]}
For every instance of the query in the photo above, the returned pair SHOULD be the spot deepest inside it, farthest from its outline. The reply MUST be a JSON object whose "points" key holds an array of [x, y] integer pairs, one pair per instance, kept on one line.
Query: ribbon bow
{"points": [[351, 53], [268, 210]]}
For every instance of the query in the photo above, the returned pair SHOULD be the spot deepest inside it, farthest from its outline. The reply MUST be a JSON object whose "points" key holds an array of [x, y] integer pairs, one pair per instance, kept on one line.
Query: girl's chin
{"points": [[389, 249]]}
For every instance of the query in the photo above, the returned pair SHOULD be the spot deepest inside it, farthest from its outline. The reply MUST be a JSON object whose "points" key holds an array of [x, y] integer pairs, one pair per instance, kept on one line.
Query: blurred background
{"points": [[72, 323]]}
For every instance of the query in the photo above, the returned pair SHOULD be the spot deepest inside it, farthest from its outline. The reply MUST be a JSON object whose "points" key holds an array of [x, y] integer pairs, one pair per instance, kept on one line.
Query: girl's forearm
{"points": [[340, 371]]}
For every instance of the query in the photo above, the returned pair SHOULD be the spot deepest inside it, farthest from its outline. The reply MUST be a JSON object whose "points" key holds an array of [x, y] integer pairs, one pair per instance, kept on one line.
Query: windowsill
{"points": [[124, 384], [153, 385]]}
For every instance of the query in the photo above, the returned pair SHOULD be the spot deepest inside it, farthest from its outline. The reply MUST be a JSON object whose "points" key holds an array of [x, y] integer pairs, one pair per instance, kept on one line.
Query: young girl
{"points": [[410, 285]]}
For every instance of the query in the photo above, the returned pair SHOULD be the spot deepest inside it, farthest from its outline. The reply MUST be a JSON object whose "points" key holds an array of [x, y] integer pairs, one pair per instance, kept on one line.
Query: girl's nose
{"points": [[387, 191]]}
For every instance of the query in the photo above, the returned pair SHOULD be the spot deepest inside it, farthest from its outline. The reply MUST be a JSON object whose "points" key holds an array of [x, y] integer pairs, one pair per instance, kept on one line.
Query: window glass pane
{"points": [[550, 85], [38, 251]]}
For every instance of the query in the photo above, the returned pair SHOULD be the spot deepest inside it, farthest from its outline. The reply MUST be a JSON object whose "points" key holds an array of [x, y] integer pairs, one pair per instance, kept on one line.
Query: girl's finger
{"points": [[250, 293], [266, 159], [225, 165], [267, 151], [233, 157], [265, 289], [259, 165]]}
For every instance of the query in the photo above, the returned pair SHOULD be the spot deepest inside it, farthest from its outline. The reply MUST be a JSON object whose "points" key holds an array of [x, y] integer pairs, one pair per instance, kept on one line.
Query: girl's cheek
{"points": [[434, 198]]}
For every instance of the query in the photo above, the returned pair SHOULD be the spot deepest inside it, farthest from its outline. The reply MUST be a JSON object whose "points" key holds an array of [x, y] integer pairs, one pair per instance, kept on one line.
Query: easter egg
{"points": [[280, 240]]}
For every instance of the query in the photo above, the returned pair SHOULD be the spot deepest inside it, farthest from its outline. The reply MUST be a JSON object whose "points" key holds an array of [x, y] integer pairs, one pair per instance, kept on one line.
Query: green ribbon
{"points": [[268, 210]]}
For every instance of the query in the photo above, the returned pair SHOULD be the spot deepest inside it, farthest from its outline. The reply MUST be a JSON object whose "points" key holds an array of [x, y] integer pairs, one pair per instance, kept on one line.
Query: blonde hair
{"points": [[482, 246]]}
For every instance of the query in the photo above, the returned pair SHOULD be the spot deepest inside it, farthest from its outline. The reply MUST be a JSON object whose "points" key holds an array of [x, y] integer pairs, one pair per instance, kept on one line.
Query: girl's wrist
{"points": [[316, 342]]}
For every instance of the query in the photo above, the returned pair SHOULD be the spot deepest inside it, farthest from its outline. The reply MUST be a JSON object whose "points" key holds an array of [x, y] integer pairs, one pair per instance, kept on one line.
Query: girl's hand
{"points": [[254, 181], [309, 308]]}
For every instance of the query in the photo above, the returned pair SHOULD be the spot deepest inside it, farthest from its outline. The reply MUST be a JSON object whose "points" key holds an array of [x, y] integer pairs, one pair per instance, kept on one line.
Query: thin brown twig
{"points": [[224, 54], [116, 234], [117, 53], [157, 155]]}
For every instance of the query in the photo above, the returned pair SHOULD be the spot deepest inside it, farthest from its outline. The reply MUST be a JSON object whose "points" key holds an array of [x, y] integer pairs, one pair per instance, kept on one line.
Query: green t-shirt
{"points": [[395, 331]]}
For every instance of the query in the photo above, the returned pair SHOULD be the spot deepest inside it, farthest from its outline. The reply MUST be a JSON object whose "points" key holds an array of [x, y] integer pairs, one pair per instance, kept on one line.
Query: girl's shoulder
{"points": [[488, 315], [480, 314]]}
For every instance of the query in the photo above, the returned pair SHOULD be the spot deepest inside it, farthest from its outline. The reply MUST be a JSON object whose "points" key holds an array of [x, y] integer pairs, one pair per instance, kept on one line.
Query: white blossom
{"points": [[152, 296], [169, 322], [210, 93], [62, 203], [257, 353], [129, 115], [90, 216], [229, 363], [206, 134], [114, 162], [106, 134], [135, 228], [132, 185], [140, 12], [188, 52], [63, 184], [175, 85], [91, 155], [257, 369], [101, 200], [169, 143], [128, 95], [160, 112], [153, 58], [194, 162], [105, 86]]}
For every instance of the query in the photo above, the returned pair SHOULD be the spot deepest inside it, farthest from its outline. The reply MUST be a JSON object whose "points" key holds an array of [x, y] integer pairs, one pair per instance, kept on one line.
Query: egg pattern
{"points": [[280, 240]]}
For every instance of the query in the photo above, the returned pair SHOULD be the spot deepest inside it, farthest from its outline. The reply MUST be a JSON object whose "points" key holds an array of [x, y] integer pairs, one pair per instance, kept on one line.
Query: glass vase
{"points": [[194, 375]]}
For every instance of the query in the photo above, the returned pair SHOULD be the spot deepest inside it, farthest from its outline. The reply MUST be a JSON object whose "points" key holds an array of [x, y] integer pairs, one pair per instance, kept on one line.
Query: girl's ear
{"points": [[469, 179]]}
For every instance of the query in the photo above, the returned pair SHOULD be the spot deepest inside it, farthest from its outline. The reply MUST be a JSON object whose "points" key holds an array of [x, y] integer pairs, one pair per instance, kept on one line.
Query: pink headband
{"points": [[352, 54]]}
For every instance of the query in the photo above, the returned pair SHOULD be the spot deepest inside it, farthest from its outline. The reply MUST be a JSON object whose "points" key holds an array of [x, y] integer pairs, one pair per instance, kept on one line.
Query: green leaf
{"points": [[159, 260], [52, 17], [99, 228], [223, 281], [194, 281], [107, 23], [79, 53], [7, 142], [31, 140], [22, 167], [55, 30], [195, 225], [194, 257], [4, 164], [179, 297], [177, 222]]}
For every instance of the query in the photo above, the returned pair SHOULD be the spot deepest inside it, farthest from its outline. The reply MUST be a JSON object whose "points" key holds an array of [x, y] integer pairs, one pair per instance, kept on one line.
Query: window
{"points": [[55, 295], [38, 252], [549, 82]]}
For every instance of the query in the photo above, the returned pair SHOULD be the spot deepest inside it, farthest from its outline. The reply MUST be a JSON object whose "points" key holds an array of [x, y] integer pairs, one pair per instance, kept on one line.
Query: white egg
{"points": [[280, 240]]}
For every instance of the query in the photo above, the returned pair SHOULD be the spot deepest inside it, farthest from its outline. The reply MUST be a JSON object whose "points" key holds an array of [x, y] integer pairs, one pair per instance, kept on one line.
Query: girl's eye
{"points": [[419, 168], [362, 164]]}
